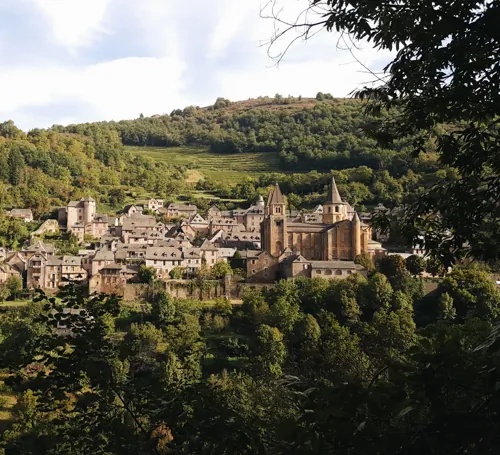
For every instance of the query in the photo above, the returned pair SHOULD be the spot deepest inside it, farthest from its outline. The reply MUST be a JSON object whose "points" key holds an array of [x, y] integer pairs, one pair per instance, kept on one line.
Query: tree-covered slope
{"points": [[307, 133], [43, 169]]}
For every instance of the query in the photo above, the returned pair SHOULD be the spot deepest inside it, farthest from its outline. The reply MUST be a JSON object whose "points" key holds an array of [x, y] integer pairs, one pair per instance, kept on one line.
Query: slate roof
{"points": [[275, 196], [333, 194]]}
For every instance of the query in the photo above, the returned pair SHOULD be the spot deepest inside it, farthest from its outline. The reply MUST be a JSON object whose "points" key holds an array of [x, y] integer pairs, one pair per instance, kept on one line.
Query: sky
{"points": [[73, 61]]}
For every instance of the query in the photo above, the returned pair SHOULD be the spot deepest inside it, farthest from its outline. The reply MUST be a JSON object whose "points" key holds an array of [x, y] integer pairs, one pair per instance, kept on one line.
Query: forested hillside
{"points": [[311, 366], [309, 138], [307, 133], [44, 169]]}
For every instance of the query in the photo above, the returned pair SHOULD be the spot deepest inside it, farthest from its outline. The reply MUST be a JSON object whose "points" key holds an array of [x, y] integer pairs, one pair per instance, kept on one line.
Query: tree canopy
{"points": [[439, 86]]}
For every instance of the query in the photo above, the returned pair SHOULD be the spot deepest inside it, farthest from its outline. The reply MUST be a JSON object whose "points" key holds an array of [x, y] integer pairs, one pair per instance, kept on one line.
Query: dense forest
{"points": [[314, 138], [324, 136], [307, 133], [45, 169], [361, 365]]}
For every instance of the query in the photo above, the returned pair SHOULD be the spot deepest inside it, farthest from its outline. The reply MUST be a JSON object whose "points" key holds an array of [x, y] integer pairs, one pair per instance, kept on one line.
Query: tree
{"points": [[391, 265], [236, 260], [271, 349], [176, 273], [435, 267], [220, 269], [415, 264], [14, 285], [471, 292], [163, 309], [142, 340], [377, 294], [447, 311], [430, 81], [146, 274], [366, 261], [283, 314], [4, 292], [16, 166]]}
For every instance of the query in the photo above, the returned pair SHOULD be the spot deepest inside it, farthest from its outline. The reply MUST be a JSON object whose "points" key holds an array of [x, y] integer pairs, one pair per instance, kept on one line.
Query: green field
{"points": [[229, 169]]}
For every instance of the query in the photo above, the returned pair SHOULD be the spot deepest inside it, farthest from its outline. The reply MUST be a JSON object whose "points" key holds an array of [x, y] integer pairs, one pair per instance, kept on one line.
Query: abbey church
{"points": [[324, 243]]}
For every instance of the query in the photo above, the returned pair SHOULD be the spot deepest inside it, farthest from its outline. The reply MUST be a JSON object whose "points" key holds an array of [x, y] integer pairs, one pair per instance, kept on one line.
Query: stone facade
{"points": [[339, 236], [300, 245]]}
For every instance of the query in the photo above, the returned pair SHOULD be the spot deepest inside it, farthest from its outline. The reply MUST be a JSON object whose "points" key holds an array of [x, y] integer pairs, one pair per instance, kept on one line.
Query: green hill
{"points": [[231, 150]]}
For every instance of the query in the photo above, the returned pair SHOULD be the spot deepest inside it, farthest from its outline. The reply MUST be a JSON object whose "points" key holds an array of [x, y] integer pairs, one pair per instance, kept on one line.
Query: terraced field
{"points": [[229, 169]]}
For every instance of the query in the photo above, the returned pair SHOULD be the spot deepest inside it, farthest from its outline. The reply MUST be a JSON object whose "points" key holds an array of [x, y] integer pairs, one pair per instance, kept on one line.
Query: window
{"points": [[338, 272], [343, 236], [278, 209], [328, 272], [342, 254], [337, 209], [253, 261], [253, 271], [318, 272], [329, 210]]}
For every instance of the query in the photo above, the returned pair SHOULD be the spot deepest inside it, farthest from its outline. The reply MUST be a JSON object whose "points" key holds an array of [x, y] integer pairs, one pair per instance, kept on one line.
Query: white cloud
{"points": [[339, 76], [233, 15], [74, 23], [190, 53], [113, 90]]}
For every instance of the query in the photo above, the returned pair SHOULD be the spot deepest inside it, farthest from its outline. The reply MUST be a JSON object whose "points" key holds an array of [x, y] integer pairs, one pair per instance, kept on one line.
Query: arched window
{"points": [[349, 272], [318, 272], [338, 272], [337, 209], [329, 210], [342, 254], [278, 209], [328, 272]]}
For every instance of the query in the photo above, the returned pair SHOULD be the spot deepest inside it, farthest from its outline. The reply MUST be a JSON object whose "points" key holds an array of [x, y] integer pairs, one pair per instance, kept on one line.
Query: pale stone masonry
{"points": [[274, 243], [324, 243]]}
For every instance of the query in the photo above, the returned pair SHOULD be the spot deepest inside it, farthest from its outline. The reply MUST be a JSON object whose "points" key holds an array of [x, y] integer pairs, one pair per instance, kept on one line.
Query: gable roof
{"points": [[207, 246], [275, 196]]}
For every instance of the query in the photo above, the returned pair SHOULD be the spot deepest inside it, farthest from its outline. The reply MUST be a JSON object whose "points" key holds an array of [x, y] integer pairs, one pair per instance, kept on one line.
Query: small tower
{"points": [[260, 202], [334, 209], [89, 210], [356, 235], [274, 224]]}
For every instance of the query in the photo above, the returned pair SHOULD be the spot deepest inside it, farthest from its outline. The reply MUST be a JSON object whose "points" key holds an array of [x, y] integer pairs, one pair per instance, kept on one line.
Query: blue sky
{"points": [[66, 61]]}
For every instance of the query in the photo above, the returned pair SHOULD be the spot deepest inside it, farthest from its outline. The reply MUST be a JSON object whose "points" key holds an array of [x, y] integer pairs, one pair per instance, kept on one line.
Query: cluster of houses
{"points": [[273, 243]]}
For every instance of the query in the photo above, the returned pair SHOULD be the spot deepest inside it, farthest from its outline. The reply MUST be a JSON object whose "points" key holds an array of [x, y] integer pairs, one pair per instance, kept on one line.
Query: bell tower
{"points": [[274, 224], [334, 209]]}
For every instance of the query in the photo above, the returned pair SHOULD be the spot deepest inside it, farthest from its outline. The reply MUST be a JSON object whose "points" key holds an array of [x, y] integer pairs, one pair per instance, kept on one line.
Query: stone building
{"points": [[338, 235], [80, 212], [175, 210], [325, 244]]}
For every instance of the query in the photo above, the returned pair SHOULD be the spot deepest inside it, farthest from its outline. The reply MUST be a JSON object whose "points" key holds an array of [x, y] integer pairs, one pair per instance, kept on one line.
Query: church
{"points": [[324, 243]]}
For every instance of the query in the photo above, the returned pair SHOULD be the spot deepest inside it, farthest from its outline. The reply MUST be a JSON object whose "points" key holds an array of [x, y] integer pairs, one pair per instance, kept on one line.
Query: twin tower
{"points": [[339, 235]]}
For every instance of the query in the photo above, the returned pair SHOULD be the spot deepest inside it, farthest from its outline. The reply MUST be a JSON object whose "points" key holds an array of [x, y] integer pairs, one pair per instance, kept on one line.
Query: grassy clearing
{"points": [[229, 169]]}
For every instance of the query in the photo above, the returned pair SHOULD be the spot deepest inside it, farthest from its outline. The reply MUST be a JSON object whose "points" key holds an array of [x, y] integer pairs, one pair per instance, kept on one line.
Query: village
{"points": [[265, 242]]}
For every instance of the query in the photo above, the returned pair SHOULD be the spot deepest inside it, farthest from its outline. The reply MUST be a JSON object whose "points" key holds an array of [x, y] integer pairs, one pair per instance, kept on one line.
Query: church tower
{"points": [[274, 224], [334, 209]]}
